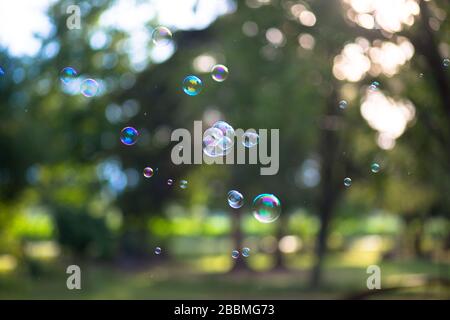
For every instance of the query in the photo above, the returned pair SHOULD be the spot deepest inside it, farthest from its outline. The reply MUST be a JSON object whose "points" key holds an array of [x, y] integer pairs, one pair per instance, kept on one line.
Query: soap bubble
{"points": [[129, 136], [235, 199], [157, 250], [219, 72], [245, 252], [89, 88], [343, 104], [192, 85], [266, 208], [250, 139], [347, 182], [374, 86], [375, 167], [226, 129], [183, 184], [161, 36], [68, 74], [2, 72], [169, 182], [211, 139], [148, 172], [446, 62], [235, 254]]}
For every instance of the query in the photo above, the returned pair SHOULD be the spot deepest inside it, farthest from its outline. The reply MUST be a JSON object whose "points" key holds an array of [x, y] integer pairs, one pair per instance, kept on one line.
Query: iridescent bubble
{"points": [[374, 86], [266, 208], [148, 172], [89, 88], [343, 104], [129, 136], [235, 254], [211, 139], [347, 182], [245, 252], [375, 167], [446, 62], [169, 182], [192, 85], [235, 199], [219, 72], [161, 36], [68, 74], [250, 139], [224, 145], [157, 250], [226, 129], [183, 184]]}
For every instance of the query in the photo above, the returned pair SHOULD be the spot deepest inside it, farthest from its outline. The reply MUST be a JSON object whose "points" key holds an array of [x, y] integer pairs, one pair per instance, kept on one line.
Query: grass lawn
{"points": [[170, 281]]}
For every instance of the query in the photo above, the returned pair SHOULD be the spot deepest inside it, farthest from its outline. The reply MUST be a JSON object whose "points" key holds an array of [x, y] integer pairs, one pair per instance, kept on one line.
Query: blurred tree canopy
{"points": [[61, 154]]}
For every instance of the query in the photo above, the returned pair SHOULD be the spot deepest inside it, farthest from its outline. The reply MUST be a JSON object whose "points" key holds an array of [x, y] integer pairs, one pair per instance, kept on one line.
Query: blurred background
{"points": [[72, 193]]}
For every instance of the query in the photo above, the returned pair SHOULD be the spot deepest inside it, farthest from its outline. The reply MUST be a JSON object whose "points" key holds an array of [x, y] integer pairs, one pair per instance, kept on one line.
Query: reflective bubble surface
{"points": [[148, 172], [183, 184], [375, 167], [266, 208], [245, 252], [235, 254], [343, 104], [129, 136], [68, 74], [235, 199], [161, 36], [89, 88], [192, 85], [250, 139], [347, 182], [158, 250], [219, 73]]}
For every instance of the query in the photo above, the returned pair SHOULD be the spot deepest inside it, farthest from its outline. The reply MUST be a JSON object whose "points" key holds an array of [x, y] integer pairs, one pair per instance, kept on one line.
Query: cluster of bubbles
{"points": [[343, 104], [129, 136], [219, 73], [148, 172], [192, 85], [218, 140], [88, 87], [266, 208], [161, 36], [245, 253], [235, 199]]}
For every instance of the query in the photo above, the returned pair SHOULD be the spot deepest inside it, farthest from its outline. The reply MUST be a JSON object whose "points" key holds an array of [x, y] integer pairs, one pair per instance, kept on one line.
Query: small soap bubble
{"points": [[219, 72], [161, 36], [446, 62], [375, 167], [192, 85], [158, 250], [183, 184], [129, 136], [374, 86], [245, 252], [235, 199], [68, 74], [235, 254], [266, 208], [148, 172], [347, 182], [343, 104], [250, 139], [89, 88], [169, 182]]}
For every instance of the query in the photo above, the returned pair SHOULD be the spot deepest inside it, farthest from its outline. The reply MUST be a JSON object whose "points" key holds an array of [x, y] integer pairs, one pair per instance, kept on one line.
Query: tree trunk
{"points": [[328, 154]]}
